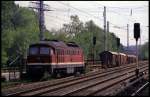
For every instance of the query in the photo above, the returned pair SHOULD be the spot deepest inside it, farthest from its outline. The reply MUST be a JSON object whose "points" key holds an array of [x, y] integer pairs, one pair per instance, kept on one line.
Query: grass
{"points": [[8, 84], [13, 83]]}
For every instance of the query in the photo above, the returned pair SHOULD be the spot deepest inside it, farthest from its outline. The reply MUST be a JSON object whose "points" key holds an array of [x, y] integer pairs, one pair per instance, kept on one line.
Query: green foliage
{"points": [[8, 9], [144, 51], [20, 29], [85, 37]]}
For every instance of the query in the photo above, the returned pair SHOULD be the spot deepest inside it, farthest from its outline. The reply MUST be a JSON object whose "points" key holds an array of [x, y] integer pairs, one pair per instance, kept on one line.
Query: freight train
{"points": [[112, 59], [55, 57], [59, 58]]}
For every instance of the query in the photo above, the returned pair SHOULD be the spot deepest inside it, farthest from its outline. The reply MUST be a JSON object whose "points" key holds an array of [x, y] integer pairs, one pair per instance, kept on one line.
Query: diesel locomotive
{"points": [[54, 57]]}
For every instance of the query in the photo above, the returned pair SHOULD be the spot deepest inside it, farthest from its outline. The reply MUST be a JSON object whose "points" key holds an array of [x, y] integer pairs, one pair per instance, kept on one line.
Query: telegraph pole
{"points": [[104, 14], [107, 26], [41, 8], [140, 42], [41, 20], [127, 35], [107, 34]]}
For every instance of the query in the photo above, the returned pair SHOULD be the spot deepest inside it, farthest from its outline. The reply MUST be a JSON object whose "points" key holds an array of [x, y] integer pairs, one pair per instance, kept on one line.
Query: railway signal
{"points": [[136, 31], [94, 43], [94, 40], [118, 45], [118, 42], [137, 36]]}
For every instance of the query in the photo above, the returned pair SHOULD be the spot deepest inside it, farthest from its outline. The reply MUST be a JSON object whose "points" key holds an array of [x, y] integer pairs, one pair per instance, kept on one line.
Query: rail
{"points": [[67, 81], [140, 89], [87, 62]]}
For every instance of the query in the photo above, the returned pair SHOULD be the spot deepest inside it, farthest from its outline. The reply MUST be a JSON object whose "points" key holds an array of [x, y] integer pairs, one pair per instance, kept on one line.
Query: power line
{"points": [[123, 15], [66, 10], [118, 27], [59, 18], [40, 7], [115, 26], [82, 11], [79, 10], [54, 23], [119, 13], [127, 7]]}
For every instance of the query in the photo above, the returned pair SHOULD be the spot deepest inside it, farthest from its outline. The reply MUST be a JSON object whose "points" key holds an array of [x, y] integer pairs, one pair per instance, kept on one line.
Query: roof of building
{"points": [[122, 54], [115, 53]]}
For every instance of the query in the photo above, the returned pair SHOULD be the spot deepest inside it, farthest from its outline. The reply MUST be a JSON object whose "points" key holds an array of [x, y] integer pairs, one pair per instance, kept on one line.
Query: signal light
{"points": [[94, 40], [136, 31], [118, 42]]}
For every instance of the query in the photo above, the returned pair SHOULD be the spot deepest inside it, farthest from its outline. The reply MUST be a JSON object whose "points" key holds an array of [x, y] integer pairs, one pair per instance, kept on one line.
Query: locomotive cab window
{"points": [[44, 50], [33, 50]]}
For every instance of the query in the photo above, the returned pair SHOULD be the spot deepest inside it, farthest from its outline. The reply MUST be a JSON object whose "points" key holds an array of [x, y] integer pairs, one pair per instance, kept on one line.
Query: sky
{"points": [[118, 13]]}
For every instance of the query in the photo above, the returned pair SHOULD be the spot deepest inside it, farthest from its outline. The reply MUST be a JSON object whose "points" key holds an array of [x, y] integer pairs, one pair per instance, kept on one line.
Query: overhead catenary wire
{"points": [[79, 10], [129, 9], [87, 13], [62, 19], [126, 7], [123, 15]]}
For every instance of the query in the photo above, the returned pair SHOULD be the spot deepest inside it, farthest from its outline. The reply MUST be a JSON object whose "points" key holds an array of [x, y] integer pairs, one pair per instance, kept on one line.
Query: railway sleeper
{"points": [[130, 86]]}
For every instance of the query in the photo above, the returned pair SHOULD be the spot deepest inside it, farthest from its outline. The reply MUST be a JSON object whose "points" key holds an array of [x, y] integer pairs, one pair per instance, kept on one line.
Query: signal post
{"points": [[137, 36]]}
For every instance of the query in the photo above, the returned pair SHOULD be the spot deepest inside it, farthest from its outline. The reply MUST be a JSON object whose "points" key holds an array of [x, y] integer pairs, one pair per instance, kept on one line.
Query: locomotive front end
{"points": [[38, 60]]}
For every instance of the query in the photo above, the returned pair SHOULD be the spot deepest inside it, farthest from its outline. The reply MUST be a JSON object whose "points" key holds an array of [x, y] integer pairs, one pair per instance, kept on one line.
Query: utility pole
{"points": [[41, 8], [107, 35], [104, 14], [140, 43], [127, 36], [41, 19], [107, 26]]}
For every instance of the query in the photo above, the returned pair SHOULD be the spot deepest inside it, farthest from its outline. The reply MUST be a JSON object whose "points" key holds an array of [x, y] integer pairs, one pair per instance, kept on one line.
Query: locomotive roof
{"points": [[58, 44]]}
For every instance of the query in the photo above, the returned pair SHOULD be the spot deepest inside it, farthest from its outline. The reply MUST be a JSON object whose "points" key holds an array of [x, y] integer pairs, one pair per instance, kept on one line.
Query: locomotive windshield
{"points": [[44, 50], [33, 50], [40, 50]]}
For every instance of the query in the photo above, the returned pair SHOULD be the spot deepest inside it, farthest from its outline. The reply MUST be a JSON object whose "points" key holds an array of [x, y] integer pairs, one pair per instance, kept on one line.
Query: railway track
{"points": [[43, 87], [120, 86], [136, 93], [89, 87]]}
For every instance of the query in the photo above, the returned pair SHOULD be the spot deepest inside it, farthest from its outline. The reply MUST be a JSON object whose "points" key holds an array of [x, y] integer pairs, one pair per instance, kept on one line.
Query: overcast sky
{"points": [[118, 14]]}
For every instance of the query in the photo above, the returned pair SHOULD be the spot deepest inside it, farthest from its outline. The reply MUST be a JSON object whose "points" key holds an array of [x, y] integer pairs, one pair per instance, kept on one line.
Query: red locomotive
{"points": [[111, 59], [55, 57]]}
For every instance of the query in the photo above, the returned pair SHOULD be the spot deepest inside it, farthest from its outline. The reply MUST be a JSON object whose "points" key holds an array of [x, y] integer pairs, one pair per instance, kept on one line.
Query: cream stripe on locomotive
{"points": [[56, 63]]}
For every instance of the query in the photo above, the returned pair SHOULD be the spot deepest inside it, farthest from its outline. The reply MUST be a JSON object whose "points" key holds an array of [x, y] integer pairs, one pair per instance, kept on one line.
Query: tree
{"points": [[144, 51], [74, 27], [84, 36], [19, 29]]}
